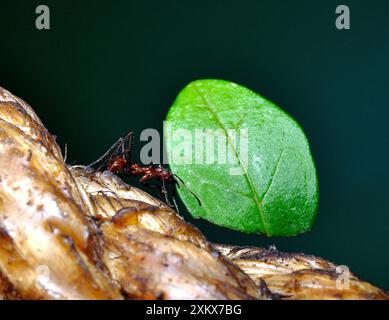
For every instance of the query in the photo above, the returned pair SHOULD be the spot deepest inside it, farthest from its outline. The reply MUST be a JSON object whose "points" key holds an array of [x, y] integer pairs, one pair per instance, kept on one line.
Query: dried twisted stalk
{"points": [[72, 233]]}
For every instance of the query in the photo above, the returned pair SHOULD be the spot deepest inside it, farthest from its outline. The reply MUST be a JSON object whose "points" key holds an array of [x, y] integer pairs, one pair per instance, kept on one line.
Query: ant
{"points": [[118, 161]]}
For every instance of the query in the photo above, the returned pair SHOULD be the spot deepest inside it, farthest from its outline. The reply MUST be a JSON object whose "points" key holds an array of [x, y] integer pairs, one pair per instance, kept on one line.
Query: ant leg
{"points": [[165, 194], [126, 152], [129, 150], [174, 200], [162, 190]]}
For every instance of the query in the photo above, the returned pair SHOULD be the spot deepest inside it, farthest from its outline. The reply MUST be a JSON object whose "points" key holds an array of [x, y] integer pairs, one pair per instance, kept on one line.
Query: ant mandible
{"points": [[118, 160]]}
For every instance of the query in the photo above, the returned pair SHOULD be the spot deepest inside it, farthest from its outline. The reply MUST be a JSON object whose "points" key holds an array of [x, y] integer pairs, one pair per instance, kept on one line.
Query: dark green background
{"points": [[106, 69]]}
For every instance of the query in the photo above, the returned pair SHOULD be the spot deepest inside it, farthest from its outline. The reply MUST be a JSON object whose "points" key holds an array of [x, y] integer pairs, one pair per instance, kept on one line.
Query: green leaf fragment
{"points": [[276, 193]]}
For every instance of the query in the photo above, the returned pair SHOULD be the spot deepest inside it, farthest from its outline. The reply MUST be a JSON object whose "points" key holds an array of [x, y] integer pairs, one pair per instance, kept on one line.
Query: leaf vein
{"points": [[244, 169], [272, 175]]}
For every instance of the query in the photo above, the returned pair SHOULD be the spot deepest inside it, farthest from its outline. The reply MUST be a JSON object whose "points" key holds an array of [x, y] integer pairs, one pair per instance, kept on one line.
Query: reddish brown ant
{"points": [[118, 160]]}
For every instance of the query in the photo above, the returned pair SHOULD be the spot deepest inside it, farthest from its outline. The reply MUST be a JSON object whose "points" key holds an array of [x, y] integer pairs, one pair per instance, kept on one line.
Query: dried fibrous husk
{"points": [[47, 245], [299, 276]]}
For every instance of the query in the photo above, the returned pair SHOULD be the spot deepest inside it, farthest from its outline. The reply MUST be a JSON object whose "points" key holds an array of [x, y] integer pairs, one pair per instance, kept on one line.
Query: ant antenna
{"points": [[183, 183]]}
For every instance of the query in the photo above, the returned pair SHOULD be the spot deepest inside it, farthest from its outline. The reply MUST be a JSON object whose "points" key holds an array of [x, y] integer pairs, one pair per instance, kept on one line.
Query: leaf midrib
{"points": [[257, 201]]}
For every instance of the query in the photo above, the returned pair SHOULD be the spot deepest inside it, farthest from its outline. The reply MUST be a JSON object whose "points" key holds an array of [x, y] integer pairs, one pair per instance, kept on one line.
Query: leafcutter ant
{"points": [[118, 160]]}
